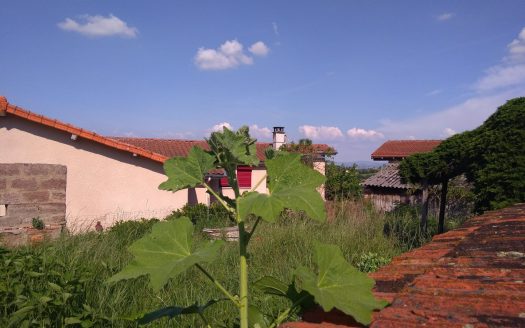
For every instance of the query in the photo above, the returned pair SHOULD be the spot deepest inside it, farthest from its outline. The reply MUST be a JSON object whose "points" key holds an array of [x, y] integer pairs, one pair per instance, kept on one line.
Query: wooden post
{"points": [[424, 206], [442, 206]]}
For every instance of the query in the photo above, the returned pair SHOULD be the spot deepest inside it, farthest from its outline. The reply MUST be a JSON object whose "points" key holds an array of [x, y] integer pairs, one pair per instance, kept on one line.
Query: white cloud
{"points": [[260, 132], [364, 134], [259, 49], [517, 47], [275, 28], [99, 26], [501, 76], [321, 132], [510, 72], [445, 16], [449, 132], [230, 54], [219, 127]]}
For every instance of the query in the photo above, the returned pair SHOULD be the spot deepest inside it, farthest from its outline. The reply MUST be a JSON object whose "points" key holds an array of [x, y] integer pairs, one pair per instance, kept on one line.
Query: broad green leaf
{"points": [[256, 318], [272, 286], [173, 311], [187, 172], [166, 252], [291, 185], [72, 321], [339, 285], [232, 148]]}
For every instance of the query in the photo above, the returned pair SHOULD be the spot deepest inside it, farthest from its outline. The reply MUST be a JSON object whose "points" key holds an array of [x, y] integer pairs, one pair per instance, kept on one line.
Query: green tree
{"points": [[492, 157], [342, 182]]}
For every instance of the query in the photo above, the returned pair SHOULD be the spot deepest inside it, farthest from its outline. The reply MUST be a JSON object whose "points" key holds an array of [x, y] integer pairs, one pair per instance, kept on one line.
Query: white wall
{"points": [[103, 184]]}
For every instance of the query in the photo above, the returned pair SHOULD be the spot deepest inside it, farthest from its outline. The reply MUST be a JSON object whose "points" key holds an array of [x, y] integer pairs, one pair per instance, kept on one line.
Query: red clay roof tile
{"points": [[155, 149], [473, 276], [399, 149]]}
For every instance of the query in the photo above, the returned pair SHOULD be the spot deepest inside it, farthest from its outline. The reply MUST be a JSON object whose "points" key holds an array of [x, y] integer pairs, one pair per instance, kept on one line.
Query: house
{"points": [[385, 189], [62, 173]]}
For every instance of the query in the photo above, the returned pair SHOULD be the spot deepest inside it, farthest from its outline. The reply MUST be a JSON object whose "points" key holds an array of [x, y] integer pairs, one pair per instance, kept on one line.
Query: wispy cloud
{"points": [[99, 26], [445, 16], [434, 92], [511, 70], [229, 55], [275, 29], [321, 132], [357, 133]]}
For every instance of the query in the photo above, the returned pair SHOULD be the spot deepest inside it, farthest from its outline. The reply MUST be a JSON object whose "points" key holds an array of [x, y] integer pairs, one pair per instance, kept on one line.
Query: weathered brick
{"points": [[37, 169], [10, 197], [25, 184], [22, 210], [58, 197], [3, 184], [53, 183], [9, 169], [35, 196]]}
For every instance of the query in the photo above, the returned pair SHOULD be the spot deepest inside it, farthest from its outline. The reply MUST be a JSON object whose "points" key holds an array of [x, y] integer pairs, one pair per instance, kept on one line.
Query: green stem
{"points": [[219, 198], [232, 298], [286, 313], [253, 230], [243, 254], [259, 182]]}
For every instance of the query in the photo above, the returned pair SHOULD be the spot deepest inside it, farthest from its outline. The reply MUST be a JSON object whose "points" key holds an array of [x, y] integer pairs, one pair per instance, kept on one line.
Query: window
{"points": [[244, 177]]}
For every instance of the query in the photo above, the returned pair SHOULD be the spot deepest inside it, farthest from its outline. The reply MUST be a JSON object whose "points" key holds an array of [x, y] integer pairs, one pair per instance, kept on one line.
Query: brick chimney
{"points": [[3, 105], [279, 137]]}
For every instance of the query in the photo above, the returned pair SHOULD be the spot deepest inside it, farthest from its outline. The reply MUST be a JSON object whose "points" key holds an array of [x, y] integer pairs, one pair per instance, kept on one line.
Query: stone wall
{"points": [[30, 191]]}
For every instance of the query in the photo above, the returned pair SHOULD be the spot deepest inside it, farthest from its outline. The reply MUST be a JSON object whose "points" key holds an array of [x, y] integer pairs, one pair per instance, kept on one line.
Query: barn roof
{"points": [[387, 177], [472, 276], [156, 149], [399, 149]]}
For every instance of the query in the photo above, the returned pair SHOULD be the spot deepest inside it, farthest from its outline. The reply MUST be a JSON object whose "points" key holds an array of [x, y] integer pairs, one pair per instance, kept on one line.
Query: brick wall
{"points": [[28, 191]]}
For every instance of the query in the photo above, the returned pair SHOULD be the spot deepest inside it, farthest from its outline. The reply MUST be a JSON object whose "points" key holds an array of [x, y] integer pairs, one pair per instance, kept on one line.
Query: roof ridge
{"points": [[83, 133]]}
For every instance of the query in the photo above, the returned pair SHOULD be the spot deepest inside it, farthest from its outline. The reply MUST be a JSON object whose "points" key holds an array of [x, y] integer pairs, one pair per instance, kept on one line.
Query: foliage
{"points": [[166, 252], [38, 291], [339, 285], [342, 182], [92, 258], [492, 157], [403, 224], [203, 216], [37, 223], [370, 262]]}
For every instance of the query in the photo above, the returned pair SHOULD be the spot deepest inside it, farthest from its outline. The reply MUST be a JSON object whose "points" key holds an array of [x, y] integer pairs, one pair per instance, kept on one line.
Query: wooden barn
{"points": [[385, 188]]}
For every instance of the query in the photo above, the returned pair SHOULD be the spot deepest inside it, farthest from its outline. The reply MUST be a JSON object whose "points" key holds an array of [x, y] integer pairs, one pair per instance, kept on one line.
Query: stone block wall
{"points": [[29, 191]]}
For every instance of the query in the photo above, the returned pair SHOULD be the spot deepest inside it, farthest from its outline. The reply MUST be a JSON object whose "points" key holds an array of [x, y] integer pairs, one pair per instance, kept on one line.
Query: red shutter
{"points": [[244, 176]]}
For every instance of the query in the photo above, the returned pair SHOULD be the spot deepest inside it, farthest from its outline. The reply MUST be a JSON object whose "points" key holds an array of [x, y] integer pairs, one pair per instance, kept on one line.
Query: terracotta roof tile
{"points": [[157, 150], [473, 276], [399, 149]]}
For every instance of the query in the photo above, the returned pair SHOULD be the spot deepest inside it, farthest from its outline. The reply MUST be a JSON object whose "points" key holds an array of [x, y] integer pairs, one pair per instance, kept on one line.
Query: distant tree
{"points": [[342, 182], [492, 157]]}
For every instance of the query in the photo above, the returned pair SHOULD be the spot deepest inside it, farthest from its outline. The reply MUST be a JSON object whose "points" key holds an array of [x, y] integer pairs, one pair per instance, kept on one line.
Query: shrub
{"points": [[38, 224], [370, 262]]}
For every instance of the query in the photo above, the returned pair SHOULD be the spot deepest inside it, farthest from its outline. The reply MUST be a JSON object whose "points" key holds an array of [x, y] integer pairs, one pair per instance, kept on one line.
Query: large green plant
{"points": [[167, 251]]}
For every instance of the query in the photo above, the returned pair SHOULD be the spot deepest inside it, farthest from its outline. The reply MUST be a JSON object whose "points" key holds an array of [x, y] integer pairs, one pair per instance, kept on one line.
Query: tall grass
{"points": [[276, 249]]}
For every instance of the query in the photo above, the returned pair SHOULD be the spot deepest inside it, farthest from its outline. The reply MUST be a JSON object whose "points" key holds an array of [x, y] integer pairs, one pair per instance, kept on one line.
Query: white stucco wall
{"points": [[258, 174], [103, 184]]}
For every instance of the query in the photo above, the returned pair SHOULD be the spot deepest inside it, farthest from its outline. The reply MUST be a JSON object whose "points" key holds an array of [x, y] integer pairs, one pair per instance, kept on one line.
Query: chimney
{"points": [[3, 106], [279, 137]]}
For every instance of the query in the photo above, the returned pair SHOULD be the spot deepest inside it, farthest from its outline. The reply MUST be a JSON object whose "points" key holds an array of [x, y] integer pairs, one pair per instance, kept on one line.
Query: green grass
{"points": [[276, 249]]}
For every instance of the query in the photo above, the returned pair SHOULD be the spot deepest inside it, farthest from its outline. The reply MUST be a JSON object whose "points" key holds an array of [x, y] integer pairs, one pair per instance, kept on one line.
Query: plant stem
{"points": [[259, 182], [286, 313], [253, 230], [219, 198], [232, 298], [243, 264]]}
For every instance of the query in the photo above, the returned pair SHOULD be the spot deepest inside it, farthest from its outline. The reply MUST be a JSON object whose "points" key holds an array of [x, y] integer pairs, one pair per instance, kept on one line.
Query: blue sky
{"points": [[348, 73]]}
